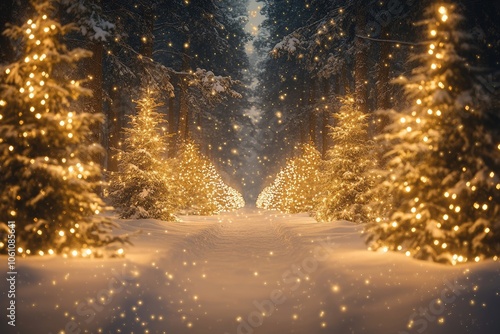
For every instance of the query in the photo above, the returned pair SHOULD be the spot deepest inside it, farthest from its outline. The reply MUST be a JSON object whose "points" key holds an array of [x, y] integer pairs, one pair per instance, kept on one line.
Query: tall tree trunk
{"points": [[361, 62], [383, 96], [115, 116], [6, 51], [312, 111], [96, 82], [94, 104], [344, 85], [199, 134], [302, 106], [383, 101], [148, 38], [172, 126], [325, 117], [115, 129], [184, 96]]}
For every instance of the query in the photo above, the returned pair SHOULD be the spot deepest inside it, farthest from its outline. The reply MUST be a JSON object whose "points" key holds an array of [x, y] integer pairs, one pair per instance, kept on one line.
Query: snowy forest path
{"points": [[250, 236], [220, 274], [230, 270]]}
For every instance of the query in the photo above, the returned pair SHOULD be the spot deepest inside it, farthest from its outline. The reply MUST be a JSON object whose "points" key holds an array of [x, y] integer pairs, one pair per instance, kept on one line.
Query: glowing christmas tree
{"points": [[346, 178], [201, 190], [444, 159], [295, 185], [142, 186], [265, 200], [47, 172]]}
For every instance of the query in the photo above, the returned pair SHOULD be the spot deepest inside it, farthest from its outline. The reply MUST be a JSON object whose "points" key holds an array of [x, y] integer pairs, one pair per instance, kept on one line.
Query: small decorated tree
{"points": [[201, 190], [347, 173], [296, 184], [143, 185]]}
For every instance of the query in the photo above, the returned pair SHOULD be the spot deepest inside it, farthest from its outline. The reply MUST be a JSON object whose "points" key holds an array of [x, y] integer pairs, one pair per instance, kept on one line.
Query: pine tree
{"points": [[142, 186], [303, 185], [48, 175], [295, 185], [443, 158], [201, 190], [193, 191], [347, 178], [224, 197]]}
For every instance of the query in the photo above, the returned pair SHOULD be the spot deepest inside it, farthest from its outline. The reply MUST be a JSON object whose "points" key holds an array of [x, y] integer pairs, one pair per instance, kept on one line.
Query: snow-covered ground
{"points": [[252, 272]]}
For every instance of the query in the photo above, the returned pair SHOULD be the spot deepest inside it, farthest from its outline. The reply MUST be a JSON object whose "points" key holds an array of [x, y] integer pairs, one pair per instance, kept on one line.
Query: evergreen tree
{"points": [[443, 157], [48, 177], [295, 185], [347, 179], [201, 190], [142, 186], [193, 192]]}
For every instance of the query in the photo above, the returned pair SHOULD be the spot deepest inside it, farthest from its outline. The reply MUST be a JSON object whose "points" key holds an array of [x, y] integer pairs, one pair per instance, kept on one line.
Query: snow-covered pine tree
{"points": [[346, 178], [271, 197], [225, 197], [303, 184], [201, 190], [193, 192], [443, 159], [143, 185], [48, 177], [295, 185]]}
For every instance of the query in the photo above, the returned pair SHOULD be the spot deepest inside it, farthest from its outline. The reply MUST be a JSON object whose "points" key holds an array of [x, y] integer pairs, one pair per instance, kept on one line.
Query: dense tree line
{"points": [[400, 97], [316, 51], [192, 52], [89, 86]]}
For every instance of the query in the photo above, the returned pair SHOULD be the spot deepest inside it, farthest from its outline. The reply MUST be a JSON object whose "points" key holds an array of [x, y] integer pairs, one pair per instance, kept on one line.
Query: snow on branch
{"points": [[213, 87], [90, 19], [288, 45]]}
